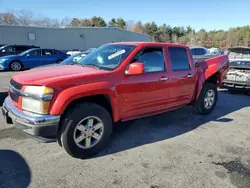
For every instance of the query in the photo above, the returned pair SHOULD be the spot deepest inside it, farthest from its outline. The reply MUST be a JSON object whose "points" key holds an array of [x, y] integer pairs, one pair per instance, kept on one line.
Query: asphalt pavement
{"points": [[177, 149]]}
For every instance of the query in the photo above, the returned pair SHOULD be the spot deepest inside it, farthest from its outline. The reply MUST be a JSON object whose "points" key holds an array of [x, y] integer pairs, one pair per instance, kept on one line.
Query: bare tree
{"points": [[65, 22], [130, 24], [24, 17]]}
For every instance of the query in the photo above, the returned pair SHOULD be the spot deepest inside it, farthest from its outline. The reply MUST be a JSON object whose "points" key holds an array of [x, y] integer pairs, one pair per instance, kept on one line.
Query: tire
{"points": [[69, 133], [201, 106], [15, 66], [59, 61]]}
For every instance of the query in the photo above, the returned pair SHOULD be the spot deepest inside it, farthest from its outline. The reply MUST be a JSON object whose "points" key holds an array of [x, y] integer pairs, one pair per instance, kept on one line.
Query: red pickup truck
{"points": [[78, 104]]}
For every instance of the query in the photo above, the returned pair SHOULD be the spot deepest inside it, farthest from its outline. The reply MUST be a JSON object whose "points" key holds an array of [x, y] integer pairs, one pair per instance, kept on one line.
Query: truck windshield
{"points": [[107, 57], [74, 59]]}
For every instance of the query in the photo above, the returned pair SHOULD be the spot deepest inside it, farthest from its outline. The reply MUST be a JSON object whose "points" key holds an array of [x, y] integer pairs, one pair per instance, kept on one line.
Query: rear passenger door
{"points": [[48, 57], [183, 76]]}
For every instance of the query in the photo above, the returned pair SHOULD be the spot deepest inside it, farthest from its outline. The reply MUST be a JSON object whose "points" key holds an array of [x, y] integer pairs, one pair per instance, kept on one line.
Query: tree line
{"points": [[237, 36]]}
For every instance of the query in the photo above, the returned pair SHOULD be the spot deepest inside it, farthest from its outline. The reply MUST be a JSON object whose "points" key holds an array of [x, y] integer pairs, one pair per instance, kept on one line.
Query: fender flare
{"points": [[64, 98]]}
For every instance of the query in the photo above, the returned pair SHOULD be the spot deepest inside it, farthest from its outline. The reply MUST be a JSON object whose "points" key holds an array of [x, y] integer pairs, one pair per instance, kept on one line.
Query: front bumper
{"points": [[236, 85], [2, 67], [41, 127]]}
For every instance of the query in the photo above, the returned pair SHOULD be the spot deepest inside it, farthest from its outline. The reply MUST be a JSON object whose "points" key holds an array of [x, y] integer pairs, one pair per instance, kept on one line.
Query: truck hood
{"points": [[43, 76], [239, 53]]}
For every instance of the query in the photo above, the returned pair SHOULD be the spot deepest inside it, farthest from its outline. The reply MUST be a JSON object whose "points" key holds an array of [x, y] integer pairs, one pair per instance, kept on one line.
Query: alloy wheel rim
{"points": [[16, 66], [88, 132], [209, 99]]}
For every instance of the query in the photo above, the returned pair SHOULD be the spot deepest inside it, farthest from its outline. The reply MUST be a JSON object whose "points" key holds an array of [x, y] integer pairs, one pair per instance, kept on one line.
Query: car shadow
{"points": [[161, 127], [3, 95], [14, 170]]}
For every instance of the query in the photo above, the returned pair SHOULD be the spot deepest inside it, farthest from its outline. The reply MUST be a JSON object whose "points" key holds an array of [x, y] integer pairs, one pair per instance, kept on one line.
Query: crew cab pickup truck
{"points": [[77, 105]]}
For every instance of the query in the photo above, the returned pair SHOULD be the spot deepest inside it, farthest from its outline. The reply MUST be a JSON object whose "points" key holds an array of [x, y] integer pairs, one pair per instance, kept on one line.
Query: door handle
{"points": [[163, 79], [190, 75]]}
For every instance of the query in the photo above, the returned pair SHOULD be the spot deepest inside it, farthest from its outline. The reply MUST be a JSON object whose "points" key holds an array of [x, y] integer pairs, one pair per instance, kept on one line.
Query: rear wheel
{"points": [[85, 130], [207, 99], [15, 66]]}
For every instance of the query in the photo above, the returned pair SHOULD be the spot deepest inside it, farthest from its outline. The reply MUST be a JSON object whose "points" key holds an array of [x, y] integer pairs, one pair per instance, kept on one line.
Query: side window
{"points": [[179, 58], [193, 51], [197, 51], [56, 52], [48, 53], [34, 53], [204, 51], [11, 49], [21, 48], [200, 51], [152, 58]]}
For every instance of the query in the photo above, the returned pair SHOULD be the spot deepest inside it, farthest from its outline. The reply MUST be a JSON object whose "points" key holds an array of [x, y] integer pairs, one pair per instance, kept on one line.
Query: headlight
{"points": [[3, 60], [37, 99]]}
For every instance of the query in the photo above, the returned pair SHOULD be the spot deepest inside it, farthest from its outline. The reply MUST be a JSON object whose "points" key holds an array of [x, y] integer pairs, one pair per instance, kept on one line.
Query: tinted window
{"points": [[21, 48], [179, 58], [48, 52], [199, 51], [10, 49], [192, 51], [34, 53]]}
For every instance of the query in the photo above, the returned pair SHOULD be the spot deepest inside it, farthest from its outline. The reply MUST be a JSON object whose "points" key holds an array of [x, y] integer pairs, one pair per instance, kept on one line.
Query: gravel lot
{"points": [[176, 149]]}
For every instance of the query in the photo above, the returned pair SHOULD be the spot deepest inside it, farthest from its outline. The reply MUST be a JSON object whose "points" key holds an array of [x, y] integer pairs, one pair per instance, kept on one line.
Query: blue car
{"points": [[31, 58]]}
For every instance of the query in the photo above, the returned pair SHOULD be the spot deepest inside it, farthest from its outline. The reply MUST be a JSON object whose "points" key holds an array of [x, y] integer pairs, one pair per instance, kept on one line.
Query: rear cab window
{"points": [[179, 59]]}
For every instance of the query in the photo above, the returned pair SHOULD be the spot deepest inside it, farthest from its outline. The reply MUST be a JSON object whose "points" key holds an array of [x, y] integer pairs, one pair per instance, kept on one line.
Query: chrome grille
{"points": [[14, 87]]}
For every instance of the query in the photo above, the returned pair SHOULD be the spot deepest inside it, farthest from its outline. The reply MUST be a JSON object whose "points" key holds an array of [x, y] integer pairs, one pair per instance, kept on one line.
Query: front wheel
{"points": [[15, 66], [207, 99], [85, 130]]}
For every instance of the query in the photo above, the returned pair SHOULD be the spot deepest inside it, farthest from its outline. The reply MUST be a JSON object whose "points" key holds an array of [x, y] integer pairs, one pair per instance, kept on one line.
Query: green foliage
{"points": [[119, 22], [238, 36], [98, 22]]}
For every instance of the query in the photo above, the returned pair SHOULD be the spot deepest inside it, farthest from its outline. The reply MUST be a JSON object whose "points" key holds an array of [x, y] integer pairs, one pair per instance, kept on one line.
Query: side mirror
{"points": [[135, 69], [28, 55]]}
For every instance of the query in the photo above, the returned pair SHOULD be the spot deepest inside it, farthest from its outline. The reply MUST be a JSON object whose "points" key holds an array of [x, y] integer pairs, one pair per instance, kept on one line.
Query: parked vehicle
{"points": [[199, 50], [238, 77], [14, 49], [2, 45], [31, 58], [215, 51], [75, 51], [71, 60], [78, 104]]}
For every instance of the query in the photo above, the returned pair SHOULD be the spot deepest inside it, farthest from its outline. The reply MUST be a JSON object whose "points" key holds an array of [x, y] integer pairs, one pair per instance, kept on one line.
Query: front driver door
{"points": [[32, 59], [140, 95]]}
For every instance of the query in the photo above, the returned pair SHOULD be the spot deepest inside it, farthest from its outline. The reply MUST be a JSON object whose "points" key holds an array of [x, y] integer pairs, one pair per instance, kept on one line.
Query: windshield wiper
{"points": [[91, 65]]}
